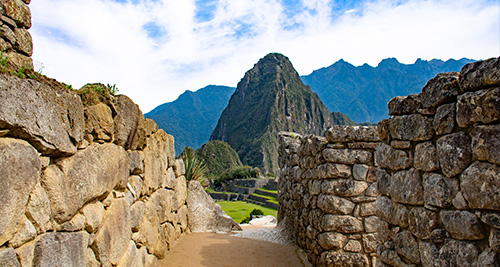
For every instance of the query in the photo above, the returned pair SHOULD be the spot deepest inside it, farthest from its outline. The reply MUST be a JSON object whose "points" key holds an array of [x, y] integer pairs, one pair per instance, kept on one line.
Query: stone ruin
{"points": [[426, 194]]}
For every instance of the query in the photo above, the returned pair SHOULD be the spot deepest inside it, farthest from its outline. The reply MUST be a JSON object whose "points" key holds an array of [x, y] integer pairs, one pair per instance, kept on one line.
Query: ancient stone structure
{"points": [[436, 171], [15, 41], [327, 192]]}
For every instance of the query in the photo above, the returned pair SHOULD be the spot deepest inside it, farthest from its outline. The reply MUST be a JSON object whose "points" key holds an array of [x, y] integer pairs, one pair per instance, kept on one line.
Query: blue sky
{"points": [[154, 50]]}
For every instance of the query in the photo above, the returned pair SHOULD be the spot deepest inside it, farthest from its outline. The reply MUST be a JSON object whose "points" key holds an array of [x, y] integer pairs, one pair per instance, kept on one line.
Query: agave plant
{"points": [[195, 168]]}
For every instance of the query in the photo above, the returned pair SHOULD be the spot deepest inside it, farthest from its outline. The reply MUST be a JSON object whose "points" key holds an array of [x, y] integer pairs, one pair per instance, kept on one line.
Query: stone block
{"points": [[180, 193], [426, 158], [170, 179], [367, 209], [441, 89], [422, 222], [401, 144], [341, 223], [393, 213], [458, 253], [8, 258], [371, 223], [343, 259], [24, 42], [454, 152], [77, 223], [343, 188], [429, 253], [370, 243], [25, 254], [491, 219], [406, 187], [444, 120], [38, 209], [462, 225], [99, 122], [404, 105], [127, 122], [407, 246], [347, 156], [340, 133], [383, 130], [414, 127], [359, 171], [486, 143], [479, 184], [332, 241], [481, 106], [439, 190], [155, 162], [353, 246], [488, 258], [18, 11], [480, 74], [61, 249], [335, 205], [495, 240], [94, 214], [390, 158], [332, 170]]}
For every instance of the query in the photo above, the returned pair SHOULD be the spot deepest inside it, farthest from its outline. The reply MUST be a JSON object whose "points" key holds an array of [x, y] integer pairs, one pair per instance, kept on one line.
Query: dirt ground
{"points": [[211, 249]]}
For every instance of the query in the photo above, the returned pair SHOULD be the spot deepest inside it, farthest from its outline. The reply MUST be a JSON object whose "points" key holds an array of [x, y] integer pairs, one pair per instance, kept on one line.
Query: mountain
{"points": [[340, 118], [362, 93], [219, 157], [192, 117], [270, 98]]}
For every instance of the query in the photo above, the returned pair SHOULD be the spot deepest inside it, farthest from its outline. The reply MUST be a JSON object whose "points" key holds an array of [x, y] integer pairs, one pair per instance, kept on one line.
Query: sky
{"points": [[154, 50]]}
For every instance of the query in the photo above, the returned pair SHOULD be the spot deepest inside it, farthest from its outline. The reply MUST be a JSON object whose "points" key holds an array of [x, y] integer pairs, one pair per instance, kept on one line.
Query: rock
{"points": [[18, 11], [441, 89], [61, 249], [479, 184], [367, 209], [112, 239], [127, 122], [401, 144], [332, 241], [131, 257], [347, 156], [183, 214], [77, 223], [19, 173], [25, 254], [344, 188], [383, 182], [426, 158], [136, 162], [486, 144], [315, 187], [454, 152], [353, 246], [343, 259], [495, 240], [137, 211], [179, 168], [462, 225], [94, 214], [17, 61], [444, 120], [134, 185], [204, 214], [383, 129], [371, 223], [390, 158], [439, 190], [341, 223], [429, 253], [155, 162], [162, 200], [91, 259], [407, 246], [99, 122], [459, 201], [403, 105], [180, 193], [170, 180], [481, 106], [480, 74], [335, 205], [24, 42], [149, 233], [392, 213], [406, 187], [370, 243], [491, 219], [330, 170], [90, 173], [38, 209], [488, 258], [359, 172], [390, 257], [339, 133], [422, 222], [458, 253], [414, 127], [8, 258], [52, 121]]}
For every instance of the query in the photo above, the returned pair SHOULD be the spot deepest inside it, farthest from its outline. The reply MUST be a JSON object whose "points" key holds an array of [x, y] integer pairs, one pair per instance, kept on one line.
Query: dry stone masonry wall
{"points": [[327, 192], [15, 40], [84, 185]]}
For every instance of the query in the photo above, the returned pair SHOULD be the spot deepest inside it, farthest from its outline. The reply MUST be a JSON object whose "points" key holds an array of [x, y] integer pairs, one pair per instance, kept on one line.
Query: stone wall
{"points": [[92, 184], [15, 40], [327, 192], [439, 175]]}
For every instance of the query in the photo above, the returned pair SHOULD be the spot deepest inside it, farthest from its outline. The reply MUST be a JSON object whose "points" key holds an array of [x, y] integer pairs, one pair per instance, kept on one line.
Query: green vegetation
{"points": [[219, 158], [95, 93], [254, 212], [241, 172], [239, 210], [194, 168], [269, 198]]}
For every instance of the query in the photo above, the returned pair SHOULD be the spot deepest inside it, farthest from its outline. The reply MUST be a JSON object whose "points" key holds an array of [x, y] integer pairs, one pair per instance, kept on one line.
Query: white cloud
{"points": [[82, 41]]}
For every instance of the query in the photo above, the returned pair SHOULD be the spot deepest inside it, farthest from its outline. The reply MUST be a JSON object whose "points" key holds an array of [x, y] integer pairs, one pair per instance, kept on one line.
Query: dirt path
{"points": [[210, 249]]}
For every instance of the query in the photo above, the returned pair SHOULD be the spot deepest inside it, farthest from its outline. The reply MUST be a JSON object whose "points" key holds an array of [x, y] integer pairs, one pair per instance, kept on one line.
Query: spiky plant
{"points": [[195, 168]]}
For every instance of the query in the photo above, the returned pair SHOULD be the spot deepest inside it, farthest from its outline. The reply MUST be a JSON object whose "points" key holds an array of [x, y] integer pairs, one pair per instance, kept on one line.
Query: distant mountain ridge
{"points": [[362, 93], [192, 117]]}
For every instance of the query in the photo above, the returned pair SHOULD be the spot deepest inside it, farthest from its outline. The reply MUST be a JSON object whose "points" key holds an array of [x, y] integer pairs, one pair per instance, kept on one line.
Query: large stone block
{"points": [[480, 74], [8, 258], [407, 246], [390, 158], [404, 105], [38, 209], [439, 190], [429, 253], [406, 187], [458, 253], [462, 225], [347, 156], [344, 188], [127, 122], [90, 173], [24, 42], [61, 249], [335, 205], [344, 259], [486, 143], [426, 158], [99, 122], [155, 162], [332, 170], [51, 120], [19, 173], [341, 223], [332, 241], [94, 215], [481, 106], [180, 193], [479, 184], [422, 222], [454, 152], [18, 11], [340, 133], [444, 120], [414, 127], [25, 233], [441, 89], [393, 213]]}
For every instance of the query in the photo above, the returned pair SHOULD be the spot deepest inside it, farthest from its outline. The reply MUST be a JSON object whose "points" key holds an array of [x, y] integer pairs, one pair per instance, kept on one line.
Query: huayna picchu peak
{"points": [[270, 98]]}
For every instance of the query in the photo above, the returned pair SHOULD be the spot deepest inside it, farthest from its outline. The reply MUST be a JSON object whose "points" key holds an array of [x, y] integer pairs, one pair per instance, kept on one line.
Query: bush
{"points": [[194, 168], [254, 212], [242, 172]]}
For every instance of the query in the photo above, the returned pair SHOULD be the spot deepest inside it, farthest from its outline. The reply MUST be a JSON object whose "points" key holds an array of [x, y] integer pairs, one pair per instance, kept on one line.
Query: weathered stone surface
{"points": [[444, 120], [77, 223], [344, 259], [162, 200], [488, 258], [18, 11], [429, 253], [341, 223], [204, 214], [136, 162], [383, 181], [137, 211], [371, 223], [17, 61], [403, 105], [426, 158], [458, 253], [411, 127], [454, 152], [24, 42], [94, 214], [370, 243], [332, 241], [38, 210], [346, 156], [441, 89], [19, 173], [401, 144], [459, 201], [170, 150], [422, 222], [389, 256], [344, 188], [491, 219], [406, 187], [352, 133], [390, 158], [495, 239], [90, 173], [486, 143], [179, 168], [61, 249], [335, 205], [480, 74], [134, 185], [170, 180], [481, 106], [359, 171], [331, 170], [353, 246], [99, 122], [479, 184], [131, 257], [392, 213], [8, 258], [407, 246], [462, 225], [367, 209], [439, 190], [155, 162], [25, 254], [52, 121], [383, 129], [127, 122], [112, 239], [181, 194]]}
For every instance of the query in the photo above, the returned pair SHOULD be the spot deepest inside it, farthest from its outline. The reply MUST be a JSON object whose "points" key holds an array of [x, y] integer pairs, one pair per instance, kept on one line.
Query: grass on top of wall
{"points": [[239, 210]]}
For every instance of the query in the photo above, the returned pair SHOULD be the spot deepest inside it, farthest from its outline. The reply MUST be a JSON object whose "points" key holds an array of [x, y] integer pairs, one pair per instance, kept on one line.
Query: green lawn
{"points": [[239, 210], [270, 198], [268, 190]]}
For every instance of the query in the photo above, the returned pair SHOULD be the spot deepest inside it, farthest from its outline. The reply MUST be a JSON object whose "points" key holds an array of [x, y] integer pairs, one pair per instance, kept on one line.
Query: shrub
{"points": [[194, 168], [254, 212]]}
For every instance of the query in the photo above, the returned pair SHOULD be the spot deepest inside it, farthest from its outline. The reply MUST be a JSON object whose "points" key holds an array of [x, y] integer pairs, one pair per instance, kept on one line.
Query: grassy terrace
{"points": [[268, 190], [271, 199], [238, 210]]}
